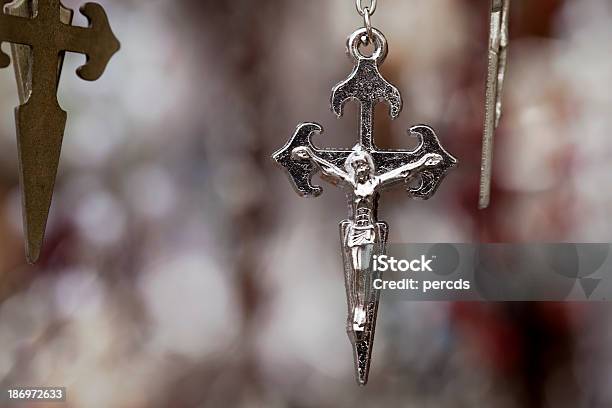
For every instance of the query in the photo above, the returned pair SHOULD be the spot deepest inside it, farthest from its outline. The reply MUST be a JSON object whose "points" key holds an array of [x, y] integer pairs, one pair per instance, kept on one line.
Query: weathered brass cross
{"points": [[44, 27]]}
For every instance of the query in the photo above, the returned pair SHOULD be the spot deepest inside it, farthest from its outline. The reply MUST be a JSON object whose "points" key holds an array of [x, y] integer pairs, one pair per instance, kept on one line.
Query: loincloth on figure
{"points": [[360, 235]]}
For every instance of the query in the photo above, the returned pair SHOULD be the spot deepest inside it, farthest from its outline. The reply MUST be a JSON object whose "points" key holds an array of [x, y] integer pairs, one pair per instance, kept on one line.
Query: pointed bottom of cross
{"points": [[362, 350], [32, 253], [40, 131]]}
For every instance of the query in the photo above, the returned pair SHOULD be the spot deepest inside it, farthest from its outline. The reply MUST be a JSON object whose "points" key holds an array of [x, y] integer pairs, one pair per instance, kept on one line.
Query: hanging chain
{"points": [[367, 12], [362, 10]]}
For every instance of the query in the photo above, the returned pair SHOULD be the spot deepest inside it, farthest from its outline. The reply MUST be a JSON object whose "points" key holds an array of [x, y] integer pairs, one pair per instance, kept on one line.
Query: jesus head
{"points": [[359, 165]]}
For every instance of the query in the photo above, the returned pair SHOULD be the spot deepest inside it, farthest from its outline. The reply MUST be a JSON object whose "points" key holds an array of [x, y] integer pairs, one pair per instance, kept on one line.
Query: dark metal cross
{"points": [[364, 172], [43, 26]]}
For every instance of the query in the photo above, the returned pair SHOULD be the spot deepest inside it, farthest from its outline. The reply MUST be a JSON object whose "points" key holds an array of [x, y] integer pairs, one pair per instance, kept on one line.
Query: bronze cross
{"points": [[41, 25]]}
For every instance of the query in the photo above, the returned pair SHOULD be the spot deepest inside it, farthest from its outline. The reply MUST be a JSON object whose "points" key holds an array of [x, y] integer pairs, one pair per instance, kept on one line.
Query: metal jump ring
{"points": [[380, 45]]}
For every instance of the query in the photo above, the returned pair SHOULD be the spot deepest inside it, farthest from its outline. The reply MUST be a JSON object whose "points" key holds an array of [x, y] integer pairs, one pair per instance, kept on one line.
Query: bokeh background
{"points": [[181, 270]]}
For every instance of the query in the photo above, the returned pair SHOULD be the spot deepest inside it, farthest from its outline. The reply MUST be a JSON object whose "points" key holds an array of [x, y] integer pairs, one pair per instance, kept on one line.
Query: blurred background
{"points": [[180, 269]]}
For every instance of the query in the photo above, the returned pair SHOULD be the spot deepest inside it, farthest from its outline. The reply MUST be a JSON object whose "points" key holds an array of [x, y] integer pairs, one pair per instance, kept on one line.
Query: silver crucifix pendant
{"points": [[363, 172]]}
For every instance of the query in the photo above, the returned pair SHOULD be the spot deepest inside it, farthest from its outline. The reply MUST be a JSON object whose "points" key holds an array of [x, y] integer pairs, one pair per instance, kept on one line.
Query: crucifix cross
{"points": [[363, 172], [43, 26]]}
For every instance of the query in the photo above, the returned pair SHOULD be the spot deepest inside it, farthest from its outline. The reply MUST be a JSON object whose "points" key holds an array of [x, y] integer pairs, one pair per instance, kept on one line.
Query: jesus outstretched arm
{"points": [[328, 169], [407, 170]]}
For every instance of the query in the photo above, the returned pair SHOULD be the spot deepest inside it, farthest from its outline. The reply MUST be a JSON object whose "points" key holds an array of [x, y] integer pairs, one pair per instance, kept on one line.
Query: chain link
{"points": [[368, 9], [366, 12], [367, 23]]}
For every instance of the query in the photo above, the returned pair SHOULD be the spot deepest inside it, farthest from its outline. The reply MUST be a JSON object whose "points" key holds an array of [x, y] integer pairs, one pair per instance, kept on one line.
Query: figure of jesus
{"points": [[362, 184]]}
